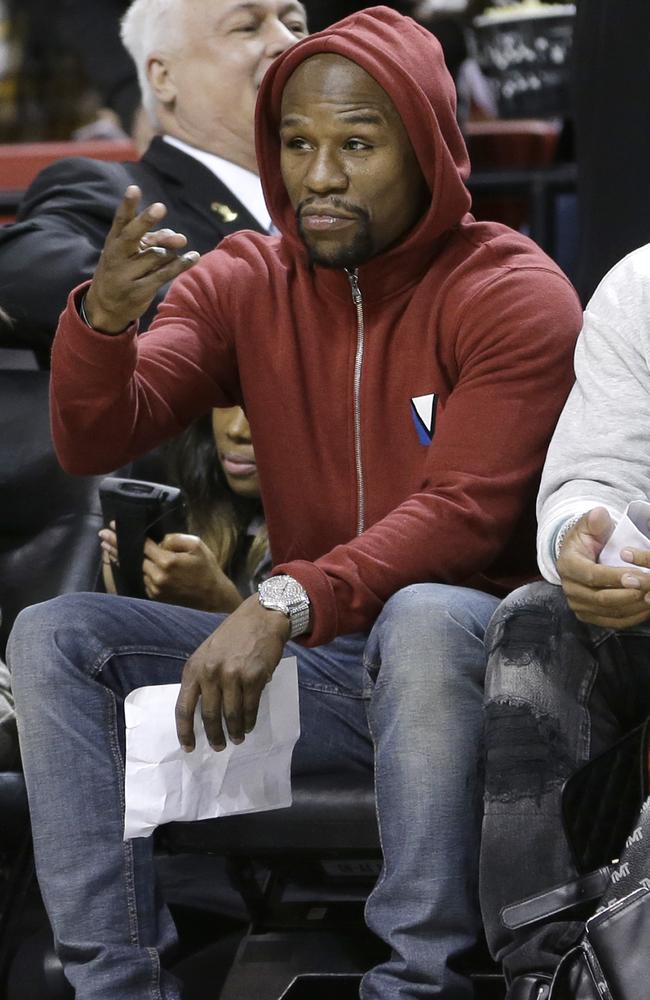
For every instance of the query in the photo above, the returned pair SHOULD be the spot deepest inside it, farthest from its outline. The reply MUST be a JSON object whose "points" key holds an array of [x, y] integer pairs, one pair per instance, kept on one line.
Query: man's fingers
{"points": [[151, 261], [618, 624], [251, 702], [636, 557], [150, 271], [185, 705], [597, 523], [583, 571], [168, 239], [131, 227], [164, 270], [233, 709], [211, 713], [127, 210], [607, 599]]}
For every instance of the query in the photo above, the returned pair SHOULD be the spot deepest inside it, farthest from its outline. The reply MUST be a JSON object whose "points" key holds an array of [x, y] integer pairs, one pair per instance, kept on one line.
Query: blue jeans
{"points": [[406, 700], [558, 692]]}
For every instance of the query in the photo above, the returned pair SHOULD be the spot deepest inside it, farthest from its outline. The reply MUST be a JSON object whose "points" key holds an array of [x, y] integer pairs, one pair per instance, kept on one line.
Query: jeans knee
{"points": [[433, 631], [427, 606], [530, 642], [525, 613], [44, 631], [523, 640], [417, 606]]}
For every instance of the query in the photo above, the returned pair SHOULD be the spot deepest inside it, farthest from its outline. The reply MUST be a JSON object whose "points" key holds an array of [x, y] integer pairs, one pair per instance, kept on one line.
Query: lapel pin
{"points": [[225, 213]]}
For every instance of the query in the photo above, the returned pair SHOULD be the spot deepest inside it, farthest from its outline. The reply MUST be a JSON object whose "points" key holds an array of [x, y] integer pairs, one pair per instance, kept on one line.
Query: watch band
{"points": [[300, 620]]}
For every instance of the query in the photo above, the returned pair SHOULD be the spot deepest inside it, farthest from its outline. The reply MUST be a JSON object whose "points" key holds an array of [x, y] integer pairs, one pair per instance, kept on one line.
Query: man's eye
{"points": [[357, 145], [298, 28], [245, 29], [296, 143]]}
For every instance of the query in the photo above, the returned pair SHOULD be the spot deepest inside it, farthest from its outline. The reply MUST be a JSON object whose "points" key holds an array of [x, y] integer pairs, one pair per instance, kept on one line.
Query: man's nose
{"points": [[279, 38], [325, 173]]}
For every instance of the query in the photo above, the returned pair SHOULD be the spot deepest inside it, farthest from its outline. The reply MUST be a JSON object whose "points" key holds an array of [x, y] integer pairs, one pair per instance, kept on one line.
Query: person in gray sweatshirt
{"points": [[568, 656]]}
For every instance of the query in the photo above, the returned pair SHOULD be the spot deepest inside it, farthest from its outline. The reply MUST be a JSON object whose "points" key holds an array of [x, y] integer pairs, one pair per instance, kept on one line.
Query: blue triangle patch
{"points": [[423, 412]]}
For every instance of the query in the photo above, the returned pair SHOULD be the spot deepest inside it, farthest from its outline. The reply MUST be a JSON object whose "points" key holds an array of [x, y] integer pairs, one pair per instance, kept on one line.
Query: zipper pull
{"points": [[353, 277]]}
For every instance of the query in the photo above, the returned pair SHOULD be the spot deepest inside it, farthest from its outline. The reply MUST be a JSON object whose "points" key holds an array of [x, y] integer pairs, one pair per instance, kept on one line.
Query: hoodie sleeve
{"points": [[514, 343], [599, 453], [113, 398]]}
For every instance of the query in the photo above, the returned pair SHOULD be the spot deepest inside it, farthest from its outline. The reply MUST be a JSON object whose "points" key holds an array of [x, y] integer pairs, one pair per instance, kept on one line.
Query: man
{"points": [[568, 664], [402, 368], [200, 63]]}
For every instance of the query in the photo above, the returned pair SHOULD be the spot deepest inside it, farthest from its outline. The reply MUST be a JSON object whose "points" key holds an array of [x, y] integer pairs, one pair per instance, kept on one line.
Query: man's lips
{"points": [[238, 465], [321, 219]]}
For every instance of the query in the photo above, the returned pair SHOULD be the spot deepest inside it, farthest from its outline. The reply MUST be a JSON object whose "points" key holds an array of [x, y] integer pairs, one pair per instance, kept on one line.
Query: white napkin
{"points": [[164, 783], [631, 532]]}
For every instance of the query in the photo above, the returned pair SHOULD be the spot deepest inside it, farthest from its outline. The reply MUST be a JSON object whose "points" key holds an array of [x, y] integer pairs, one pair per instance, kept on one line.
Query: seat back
{"points": [[20, 162], [48, 519]]}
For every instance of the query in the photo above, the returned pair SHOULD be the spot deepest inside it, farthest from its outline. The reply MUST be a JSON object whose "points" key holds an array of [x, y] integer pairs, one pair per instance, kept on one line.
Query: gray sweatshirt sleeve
{"points": [[600, 452]]}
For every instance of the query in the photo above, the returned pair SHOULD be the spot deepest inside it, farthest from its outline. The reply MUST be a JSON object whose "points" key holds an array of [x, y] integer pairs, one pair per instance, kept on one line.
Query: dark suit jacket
{"points": [[65, 216]]}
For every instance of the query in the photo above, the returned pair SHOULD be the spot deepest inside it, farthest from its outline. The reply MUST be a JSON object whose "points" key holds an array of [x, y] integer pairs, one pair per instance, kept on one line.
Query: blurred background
{"points": [[64, 73]]}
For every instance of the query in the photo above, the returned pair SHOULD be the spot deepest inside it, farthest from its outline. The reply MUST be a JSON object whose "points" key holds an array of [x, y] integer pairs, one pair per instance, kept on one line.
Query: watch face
{"points": [[281, 588], [283, 593]]}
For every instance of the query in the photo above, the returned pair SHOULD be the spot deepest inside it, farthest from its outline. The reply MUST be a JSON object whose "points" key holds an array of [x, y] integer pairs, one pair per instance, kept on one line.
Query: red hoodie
{"points": [[425, 472]]}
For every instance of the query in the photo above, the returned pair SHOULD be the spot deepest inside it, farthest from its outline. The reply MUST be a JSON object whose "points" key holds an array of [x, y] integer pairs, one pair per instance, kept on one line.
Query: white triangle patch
{"points": [[424, 409]]}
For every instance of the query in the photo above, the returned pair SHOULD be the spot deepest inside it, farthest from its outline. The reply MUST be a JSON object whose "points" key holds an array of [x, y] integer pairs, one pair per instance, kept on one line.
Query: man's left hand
{"points": [[228, 672]]}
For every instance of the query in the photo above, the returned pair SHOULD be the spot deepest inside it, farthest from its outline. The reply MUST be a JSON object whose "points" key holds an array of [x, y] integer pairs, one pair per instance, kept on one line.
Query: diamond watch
{"points": [[283, 593]]}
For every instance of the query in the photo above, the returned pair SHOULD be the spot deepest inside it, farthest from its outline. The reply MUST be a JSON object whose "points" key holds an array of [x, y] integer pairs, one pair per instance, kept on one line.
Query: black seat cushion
{"points": [[13, 810], [330, 815]]}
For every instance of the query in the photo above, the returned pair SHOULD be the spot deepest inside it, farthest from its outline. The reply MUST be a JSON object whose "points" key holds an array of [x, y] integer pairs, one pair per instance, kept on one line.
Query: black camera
{"points": [[139, 510]]}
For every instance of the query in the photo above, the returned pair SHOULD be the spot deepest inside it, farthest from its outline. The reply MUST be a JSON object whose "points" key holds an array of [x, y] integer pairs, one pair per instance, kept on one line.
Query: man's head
{"points": [[347, 162], [200, 64]]}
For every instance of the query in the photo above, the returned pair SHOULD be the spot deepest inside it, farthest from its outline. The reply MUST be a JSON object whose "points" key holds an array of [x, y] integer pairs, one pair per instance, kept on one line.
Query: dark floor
{"points": [[220, 957]]}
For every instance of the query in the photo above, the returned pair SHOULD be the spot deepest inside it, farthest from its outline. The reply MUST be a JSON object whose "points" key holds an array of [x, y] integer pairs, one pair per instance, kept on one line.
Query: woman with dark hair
{"points": [[224, 554]]}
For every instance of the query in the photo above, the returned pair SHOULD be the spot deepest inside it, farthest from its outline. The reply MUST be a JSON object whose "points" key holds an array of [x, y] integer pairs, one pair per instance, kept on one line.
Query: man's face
{"points": [[347, 162], [227, 47]]}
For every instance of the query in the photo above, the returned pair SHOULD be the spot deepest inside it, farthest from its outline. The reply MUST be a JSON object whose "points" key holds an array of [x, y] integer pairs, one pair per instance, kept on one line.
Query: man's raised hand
{"points": [[135, 263]]}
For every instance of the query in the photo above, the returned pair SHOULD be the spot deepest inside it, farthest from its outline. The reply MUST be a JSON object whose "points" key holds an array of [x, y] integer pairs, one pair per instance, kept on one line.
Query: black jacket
{"points": [[67, 212]]}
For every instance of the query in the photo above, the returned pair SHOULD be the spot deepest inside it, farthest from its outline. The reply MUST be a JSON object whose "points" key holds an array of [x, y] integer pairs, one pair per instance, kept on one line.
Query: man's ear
{"points": [[161, 78]]}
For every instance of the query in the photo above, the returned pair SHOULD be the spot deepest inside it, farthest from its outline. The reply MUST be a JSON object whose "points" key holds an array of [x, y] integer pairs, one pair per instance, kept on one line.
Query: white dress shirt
{"points": [[244, 184]]}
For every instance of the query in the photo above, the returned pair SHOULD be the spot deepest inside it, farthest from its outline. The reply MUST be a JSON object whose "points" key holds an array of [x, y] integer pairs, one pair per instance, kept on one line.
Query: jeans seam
{"points": [[105, 655], [127, 850], [155, 974], [324, 689], [382, 876]]}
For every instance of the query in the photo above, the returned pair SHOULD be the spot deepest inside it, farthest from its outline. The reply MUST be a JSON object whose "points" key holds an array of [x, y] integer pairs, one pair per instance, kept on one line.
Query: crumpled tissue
{"points": [[164, 783], [631, 532]]}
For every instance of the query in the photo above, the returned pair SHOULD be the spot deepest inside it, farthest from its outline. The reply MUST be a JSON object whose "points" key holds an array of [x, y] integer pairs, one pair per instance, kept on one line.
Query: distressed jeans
{"points": [[405, 700], [558, 692]]}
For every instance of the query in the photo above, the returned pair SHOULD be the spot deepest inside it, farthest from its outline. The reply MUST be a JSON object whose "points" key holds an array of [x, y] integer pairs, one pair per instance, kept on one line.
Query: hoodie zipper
{"points": [[357, 299]]}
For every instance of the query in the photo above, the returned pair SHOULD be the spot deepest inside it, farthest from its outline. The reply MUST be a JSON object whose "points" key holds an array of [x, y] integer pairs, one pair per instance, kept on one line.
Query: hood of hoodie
{"points": [[406, 60]]}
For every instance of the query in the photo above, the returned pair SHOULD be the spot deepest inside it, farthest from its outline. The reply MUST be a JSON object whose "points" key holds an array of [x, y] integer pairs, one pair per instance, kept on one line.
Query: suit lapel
{"points": [[200, 189]]}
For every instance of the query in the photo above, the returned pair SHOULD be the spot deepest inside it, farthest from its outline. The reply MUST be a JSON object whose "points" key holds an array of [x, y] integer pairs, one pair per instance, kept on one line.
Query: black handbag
{"points": [[607, 815]]}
